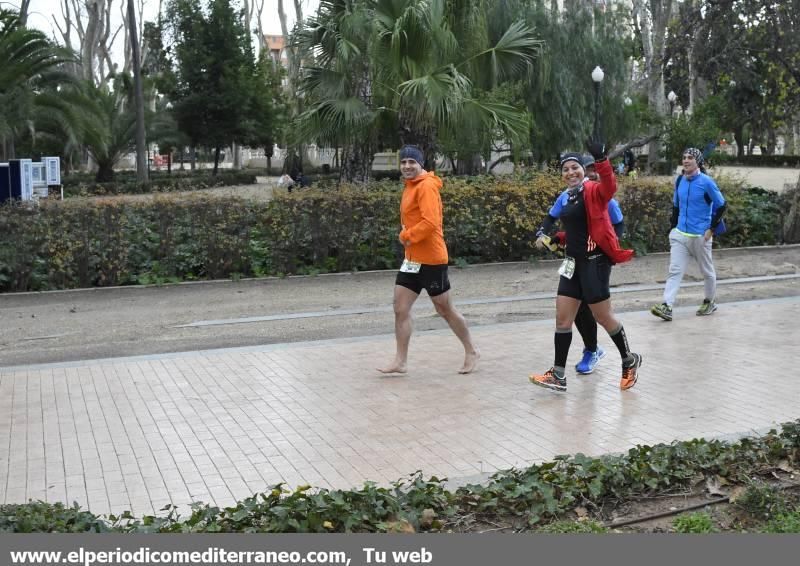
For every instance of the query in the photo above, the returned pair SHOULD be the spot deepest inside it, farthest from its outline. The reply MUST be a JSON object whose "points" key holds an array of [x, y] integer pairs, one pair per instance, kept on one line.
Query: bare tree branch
{"points": [[76, 8], [262, 42], [89, 41], [298, 10], [637, 142], [66, 14], [128, 62]]}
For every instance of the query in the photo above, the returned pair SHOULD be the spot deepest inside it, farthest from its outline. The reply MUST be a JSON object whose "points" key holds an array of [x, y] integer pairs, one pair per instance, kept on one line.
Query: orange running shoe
{"points": [[630, 373], [550, 380]]}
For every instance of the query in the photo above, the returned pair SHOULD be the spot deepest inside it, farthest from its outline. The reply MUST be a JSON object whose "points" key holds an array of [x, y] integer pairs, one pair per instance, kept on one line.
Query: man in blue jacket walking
{"points": [[697, 210]]}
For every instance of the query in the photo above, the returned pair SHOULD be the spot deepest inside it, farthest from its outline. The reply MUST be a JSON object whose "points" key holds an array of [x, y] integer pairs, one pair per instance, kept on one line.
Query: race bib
{"points": [[567, 268], [410, 266]]}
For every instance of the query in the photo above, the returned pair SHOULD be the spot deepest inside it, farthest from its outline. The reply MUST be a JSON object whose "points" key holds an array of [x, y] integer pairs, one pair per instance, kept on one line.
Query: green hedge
{"points": [[126, 183], [523, 499], [108, 241]]}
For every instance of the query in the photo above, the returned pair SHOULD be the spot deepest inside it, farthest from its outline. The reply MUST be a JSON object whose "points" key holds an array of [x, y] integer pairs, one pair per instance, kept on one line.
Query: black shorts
{"points": [[432, 278], [590, 282]]}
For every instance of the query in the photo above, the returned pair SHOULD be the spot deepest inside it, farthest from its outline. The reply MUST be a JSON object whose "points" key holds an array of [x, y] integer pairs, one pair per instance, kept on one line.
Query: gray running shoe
{"points": [[707, 308], [663, 311]]}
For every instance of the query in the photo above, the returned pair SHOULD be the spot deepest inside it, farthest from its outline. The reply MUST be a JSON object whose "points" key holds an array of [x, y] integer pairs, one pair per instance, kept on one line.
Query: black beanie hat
{"points": [[571, 156]]}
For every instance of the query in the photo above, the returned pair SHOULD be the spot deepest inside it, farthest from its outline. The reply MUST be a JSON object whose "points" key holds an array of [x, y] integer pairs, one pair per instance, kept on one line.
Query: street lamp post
{"points": [[597, 77], [672, 97]]}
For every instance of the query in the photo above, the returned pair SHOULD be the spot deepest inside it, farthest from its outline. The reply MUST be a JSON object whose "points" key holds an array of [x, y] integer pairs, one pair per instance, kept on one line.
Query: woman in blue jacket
{"points": [[697, 209]]}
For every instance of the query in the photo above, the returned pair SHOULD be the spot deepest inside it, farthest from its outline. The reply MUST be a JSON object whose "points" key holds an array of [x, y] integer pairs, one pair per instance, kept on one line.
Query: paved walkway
{"points": [[217, 426]]}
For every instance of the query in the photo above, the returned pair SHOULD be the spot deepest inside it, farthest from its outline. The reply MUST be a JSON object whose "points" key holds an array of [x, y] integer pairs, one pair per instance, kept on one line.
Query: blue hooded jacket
{"points": [[695, 198]]}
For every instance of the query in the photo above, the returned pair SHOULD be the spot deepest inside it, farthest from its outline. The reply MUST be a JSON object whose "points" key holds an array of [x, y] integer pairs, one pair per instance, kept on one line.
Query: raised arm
{"points": [[608, 182]]}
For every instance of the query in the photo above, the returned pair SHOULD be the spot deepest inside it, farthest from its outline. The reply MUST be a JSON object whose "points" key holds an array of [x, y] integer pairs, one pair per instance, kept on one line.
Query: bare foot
{"points": [[394, 367], [470, 362]]}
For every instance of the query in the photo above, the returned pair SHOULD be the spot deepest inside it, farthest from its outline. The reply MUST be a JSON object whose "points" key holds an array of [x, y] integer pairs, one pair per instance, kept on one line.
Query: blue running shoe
{"points": [[589, 361]]}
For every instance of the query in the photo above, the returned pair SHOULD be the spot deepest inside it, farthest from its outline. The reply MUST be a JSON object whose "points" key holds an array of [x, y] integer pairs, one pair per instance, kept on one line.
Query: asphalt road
{"points": [[102, 323]]}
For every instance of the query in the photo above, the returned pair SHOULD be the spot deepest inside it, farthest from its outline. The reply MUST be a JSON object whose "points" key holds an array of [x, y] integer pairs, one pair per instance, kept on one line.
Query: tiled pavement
{"points": [[217, 426]]}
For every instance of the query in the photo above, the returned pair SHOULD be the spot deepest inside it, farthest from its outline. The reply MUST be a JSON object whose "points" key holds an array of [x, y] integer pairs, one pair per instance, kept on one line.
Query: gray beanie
{"points": [[412, 152]]}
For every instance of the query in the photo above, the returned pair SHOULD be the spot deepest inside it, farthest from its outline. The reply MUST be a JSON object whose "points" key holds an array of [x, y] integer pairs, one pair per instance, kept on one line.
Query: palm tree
{"points": [[414, 63], [339, 85], [429, 63], [25, 52], [103, 121], [28, 58]]}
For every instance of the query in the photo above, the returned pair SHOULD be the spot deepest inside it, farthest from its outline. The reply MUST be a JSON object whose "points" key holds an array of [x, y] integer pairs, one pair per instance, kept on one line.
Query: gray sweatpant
{"points": [[681, 248]]}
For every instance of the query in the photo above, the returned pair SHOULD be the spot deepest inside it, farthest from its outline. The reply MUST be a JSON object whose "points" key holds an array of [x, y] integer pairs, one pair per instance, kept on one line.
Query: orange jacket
{"points": [[421, 217]]}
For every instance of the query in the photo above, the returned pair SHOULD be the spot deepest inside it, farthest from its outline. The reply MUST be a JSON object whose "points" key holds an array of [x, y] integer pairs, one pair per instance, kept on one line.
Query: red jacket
{"points": [[595, 197]]}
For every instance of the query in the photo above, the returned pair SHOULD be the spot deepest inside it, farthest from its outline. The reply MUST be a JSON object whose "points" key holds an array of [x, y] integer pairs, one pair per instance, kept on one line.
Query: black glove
{"points": [[597, 148]]}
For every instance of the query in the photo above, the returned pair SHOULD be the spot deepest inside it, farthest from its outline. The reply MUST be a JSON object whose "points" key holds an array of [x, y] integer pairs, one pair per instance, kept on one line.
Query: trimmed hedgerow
{"points": [[108, 241], [79, 185], [755, 160], [525, 498]]}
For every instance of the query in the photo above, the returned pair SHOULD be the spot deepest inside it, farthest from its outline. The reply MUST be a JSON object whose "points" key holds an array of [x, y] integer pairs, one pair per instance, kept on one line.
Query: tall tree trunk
{"points": [[291, 55], [738, 136], [193, 158], [237, 155], [217, 151], [653, 17], [357, 160], [23, 12], [141, 143], [772, 140], [262, 41], [292, 75], [699, 33], [89, 44], [105, 172], [469, 164]]}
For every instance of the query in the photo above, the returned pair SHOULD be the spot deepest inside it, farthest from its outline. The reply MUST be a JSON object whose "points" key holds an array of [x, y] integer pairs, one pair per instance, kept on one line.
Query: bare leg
{"points": [[444, 306], [604, 315], [566, 311], [403, 301]]}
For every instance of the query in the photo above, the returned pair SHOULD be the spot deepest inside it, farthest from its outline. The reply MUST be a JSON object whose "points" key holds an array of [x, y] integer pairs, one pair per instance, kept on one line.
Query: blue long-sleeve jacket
{"points": [[693, 201]]}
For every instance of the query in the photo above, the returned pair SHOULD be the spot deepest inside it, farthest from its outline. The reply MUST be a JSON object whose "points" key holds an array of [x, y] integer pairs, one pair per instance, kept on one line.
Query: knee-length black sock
{"points": [[621, 341], [587, 326], [563, 339]]}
